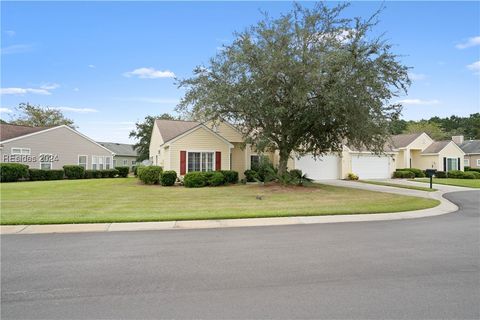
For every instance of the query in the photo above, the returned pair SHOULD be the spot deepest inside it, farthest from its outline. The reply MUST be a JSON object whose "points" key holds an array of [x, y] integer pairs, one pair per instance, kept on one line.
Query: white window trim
{"points": [[109, 163], [125, 162], [45, 162], [86, 161], [214, 165], [21, 151], [466, 162], [478, 162], [456, 160]]}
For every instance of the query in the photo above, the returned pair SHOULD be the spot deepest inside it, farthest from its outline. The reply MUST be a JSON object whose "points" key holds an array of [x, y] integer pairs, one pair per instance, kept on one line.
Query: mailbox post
{"points": [[430, 173]]}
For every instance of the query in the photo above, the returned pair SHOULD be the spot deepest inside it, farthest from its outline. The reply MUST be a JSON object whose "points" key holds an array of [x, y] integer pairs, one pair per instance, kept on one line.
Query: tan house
{"points": [[51, 148], [125, 154], [186, 146], [471, 149]]}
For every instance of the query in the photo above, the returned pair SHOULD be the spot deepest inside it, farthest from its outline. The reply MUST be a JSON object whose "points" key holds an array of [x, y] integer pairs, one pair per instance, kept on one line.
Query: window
{"points": [[254, 161], [466, 162], [24, 151], [100, 163], [82, 161], [108, 162], [114, 163], [46, 161], [200, 161], [478, 162], [133, 162], [452, 164], [94, 162], [125, 162]]}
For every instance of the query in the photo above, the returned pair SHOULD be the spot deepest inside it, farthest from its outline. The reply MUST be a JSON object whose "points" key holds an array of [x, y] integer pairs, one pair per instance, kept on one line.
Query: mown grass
{"points": [[398, 185], [125, 199], [469, 183]]}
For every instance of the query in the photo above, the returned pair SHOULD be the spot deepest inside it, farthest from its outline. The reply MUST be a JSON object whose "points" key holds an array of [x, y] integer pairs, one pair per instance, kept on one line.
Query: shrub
{"points": [[195, 180], [469, 175], [149, 174], [472, 169], [122, 171], [440, 174], [352, 176], [10, 172], [266, 171], [74, 171], [404, 175], [91, 174], [418, 172], [296, 173], [251, 175], [168, 178], [215, 178], [230, 176], [39, 175], [109, 173], [134, 169], [456, 174], [476, 174]]}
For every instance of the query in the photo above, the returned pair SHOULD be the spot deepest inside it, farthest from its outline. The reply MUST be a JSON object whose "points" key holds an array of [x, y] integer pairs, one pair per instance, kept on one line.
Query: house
{"points": [[186, 146], [471, 149], [125, 155], [51, 147]]}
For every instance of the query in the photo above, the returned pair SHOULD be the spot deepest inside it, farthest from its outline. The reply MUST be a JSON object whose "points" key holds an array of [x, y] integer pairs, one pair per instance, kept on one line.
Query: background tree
{"points": [[143, 134], [432, 129], [305, 82], [37, 116]]}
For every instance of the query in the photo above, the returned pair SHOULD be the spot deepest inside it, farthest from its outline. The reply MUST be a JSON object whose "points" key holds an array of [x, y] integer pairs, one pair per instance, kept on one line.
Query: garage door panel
{"points": [[371, 167], [326, 167]]}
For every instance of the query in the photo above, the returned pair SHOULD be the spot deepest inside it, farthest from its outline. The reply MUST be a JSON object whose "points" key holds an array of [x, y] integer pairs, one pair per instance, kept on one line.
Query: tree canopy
{"points": [[305, 82], [143, 134], [37, 116]]}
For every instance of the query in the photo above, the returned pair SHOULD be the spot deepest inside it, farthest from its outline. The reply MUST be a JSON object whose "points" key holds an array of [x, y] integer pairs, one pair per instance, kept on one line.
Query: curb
{"points": [[444, 207]]}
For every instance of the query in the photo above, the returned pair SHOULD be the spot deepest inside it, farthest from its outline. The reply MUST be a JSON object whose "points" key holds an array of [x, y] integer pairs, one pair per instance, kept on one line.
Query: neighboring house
{"points": [[125, 154], [186, 146], [51, 148], [471, 149]]}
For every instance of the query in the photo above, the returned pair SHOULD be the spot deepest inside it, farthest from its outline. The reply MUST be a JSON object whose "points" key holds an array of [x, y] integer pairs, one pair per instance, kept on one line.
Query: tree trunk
{"points": [[282, 165]]}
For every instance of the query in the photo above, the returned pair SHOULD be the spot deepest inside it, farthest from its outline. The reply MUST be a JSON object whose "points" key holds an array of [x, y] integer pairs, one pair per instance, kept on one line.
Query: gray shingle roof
{"points": [[470, 146], [10, 131], [403, 140], [170, 129], [120, 149], [436, 146]]}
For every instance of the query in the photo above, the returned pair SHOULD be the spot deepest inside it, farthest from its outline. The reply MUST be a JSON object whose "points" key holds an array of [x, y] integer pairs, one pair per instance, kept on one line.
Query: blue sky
{"points": [[109, 64]]}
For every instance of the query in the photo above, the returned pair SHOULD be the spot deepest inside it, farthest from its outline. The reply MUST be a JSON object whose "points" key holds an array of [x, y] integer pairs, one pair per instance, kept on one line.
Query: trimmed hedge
{"points": [[440, 174], [11, 172], [457, 174], [74, 171], [472, 169], [168, 178], [195, 180], [403, 174], [215, 178], [122, 171], [39, 174], [230, 176], [91, 174], [149, 174], [251, 175], [418, 172]]}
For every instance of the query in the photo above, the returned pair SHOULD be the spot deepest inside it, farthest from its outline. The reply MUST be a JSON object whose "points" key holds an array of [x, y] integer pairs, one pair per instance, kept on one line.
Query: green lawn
{"points": [[397, 185], [121, 200], [470, 183]]}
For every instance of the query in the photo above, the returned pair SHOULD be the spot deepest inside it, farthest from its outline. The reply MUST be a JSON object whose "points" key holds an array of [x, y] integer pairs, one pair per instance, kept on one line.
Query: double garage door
{"points": [[328, 167]]}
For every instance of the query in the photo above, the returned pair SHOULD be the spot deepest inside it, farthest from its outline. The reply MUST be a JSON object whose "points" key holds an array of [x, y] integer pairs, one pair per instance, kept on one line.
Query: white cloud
{"points": [[475, 67], [10, 33], [471, 42], [417, 76], [5, 110], [16, 48], [419, 102], [92, 66], [49, 86], [24, 91], [149, 73], [76, 110]]}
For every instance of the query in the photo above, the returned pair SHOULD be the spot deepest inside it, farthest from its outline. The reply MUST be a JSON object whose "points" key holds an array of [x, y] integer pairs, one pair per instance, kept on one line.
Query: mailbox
{"points": [[430, 172]]}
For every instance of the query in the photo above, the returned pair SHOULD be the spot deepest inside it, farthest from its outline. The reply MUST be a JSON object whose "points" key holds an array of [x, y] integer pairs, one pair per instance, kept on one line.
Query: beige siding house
{"points": [[51, 148], [125, 155], [471, 149]]}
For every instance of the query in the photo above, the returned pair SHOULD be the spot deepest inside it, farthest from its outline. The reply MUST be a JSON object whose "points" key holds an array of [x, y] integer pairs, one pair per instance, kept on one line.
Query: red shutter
{"points": [[218, 160], [183, 162]]}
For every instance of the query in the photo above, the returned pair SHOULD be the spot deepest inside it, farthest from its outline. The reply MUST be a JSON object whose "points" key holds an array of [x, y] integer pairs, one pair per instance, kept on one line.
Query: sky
{"points": [[107, 65]]}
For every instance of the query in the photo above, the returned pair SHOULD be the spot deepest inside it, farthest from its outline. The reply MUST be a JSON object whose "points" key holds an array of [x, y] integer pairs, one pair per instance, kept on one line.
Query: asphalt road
{"points": [[420, 268]]}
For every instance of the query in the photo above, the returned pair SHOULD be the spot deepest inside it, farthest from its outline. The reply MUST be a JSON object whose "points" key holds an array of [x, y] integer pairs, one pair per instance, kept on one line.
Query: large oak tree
{"points": [[305, 82]]}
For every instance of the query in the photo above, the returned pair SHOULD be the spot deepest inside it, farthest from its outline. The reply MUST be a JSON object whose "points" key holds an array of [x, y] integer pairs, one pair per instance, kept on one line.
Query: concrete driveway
{"points": [[410, 269]]}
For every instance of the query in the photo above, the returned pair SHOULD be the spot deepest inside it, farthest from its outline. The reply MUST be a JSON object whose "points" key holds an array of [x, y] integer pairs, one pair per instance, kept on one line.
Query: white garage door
{"points": [[325, 167], [371, 167]]}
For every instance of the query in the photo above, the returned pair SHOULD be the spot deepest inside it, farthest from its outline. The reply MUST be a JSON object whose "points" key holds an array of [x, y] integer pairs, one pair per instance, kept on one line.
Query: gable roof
{"points": [[10, 131], [470, 146], [120, 149], [403, 140], [170, 129], [436, 146]]}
